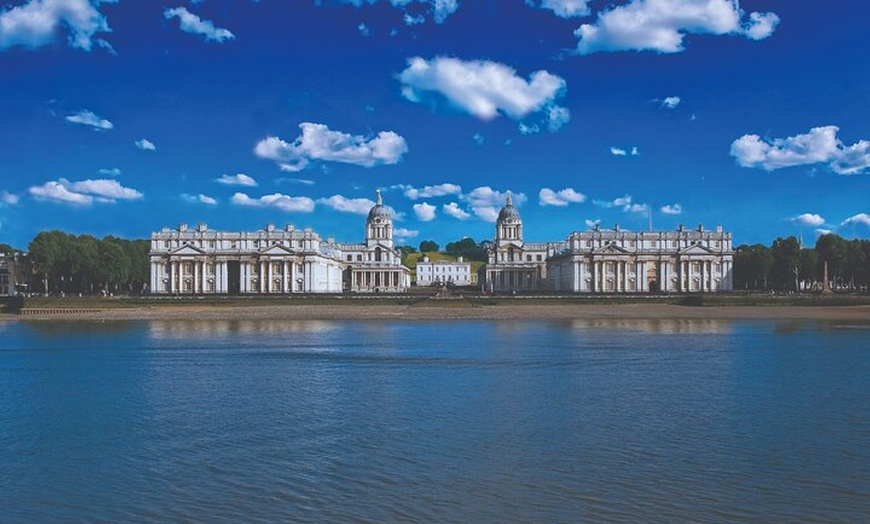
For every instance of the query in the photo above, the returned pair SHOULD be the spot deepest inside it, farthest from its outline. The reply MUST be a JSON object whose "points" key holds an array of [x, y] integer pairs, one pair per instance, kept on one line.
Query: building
{"points": [[513, 264], [276, 261], [615, 261], [457, 273], [608, 261], [15, 269]]}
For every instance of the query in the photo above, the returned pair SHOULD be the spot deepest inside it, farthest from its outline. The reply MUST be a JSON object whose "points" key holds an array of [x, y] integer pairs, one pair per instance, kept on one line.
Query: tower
{"points": [[509, 226], [379, 226]]}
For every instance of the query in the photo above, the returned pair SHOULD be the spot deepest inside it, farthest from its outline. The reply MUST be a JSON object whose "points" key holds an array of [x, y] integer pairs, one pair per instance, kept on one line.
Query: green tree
{"points": [[834, 250], [809, 261], [428, 246], [785, 268], [48, 251], [114, 267], [467, 248], [752, 266]]}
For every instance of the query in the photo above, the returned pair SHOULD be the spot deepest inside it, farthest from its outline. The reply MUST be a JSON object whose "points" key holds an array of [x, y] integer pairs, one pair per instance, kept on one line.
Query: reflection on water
{"points": [[158, 329], [665, 326]]}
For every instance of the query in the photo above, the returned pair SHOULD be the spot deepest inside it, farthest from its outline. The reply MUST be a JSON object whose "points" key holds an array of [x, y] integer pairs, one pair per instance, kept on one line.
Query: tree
{"points": [[467, 248], [833, 250], [114, 267], [785, 268], [48, 253], [428, 246], [752, 266], [809, 261]]}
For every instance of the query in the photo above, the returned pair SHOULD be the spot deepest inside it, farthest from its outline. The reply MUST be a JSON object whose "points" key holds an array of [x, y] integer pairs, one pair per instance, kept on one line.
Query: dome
{"points": [[379, 210], [509, 211]]}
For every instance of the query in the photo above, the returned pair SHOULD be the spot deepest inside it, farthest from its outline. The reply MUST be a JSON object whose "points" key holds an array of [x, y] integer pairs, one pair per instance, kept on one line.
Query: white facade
{"points": [[609, 261], [614, 261], [275, 261], [457, 272]]}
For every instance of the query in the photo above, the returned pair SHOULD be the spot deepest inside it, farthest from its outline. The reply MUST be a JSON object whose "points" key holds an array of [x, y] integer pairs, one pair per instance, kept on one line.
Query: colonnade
{"points": [[198, 276], [377, 279]]}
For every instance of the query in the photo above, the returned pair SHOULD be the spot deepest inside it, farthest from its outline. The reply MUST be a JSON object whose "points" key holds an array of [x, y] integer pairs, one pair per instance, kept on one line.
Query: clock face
{"points": [[510, 221], [377, 221]]}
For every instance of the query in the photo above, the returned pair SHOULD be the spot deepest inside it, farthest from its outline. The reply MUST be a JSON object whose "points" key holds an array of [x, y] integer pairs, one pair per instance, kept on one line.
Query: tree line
{"points": [[70, 264], [788, 266]]}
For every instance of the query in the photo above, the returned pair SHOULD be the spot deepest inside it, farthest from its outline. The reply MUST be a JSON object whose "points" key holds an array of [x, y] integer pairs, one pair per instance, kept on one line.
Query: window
{"points": [[528, 258], [350, 258], [359, 258], [539, 258]]}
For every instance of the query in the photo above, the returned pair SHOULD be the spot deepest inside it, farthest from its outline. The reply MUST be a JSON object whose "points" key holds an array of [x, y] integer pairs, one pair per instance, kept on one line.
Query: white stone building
{"points": [[457, 273], [614, 261], [608, 261], [276, 261]]}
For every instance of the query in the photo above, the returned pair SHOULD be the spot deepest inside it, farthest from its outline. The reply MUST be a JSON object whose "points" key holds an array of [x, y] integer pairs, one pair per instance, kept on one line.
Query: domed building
{"points": [[202, 261], [513, 264]]}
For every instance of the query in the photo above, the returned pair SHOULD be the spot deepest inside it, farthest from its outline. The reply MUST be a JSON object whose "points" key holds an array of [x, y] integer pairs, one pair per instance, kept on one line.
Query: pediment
{"points": [[695, 250], [275, 250], [187, 249], [611, 249]]}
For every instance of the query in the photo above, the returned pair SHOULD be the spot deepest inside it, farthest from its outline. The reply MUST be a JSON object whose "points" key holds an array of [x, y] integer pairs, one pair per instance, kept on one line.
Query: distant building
{"points": [[608, 261], [15, 272], [276, 261], [457, 273]]}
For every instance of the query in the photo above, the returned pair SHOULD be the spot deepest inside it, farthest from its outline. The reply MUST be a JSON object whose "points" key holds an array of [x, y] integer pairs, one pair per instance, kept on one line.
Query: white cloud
{"points": [[808, 219], [191, 23], [357, 206], [592, 224], [455, 211], [199, 199], [819, 145], [425, 212], [318, 142], [564, 8], [548, 197], [405, 233], [860, 218], [89, 118], [277, 200], [146, 145], [110, 172], [432, 191], [486, 202], [8, 198], [822, 231], [528, 129], [675, 209], [364, 29], [625, 202], [671, 102], [239, 179], [486, 89], [36, 23], [440, 9], [84, 192], [618, 152], [414, 20], [478, 139], [661, 25]]}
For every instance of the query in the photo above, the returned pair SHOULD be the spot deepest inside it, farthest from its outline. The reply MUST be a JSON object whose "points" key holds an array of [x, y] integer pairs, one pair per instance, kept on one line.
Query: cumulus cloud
{"points": [[146, 145], [191, 23], [84, 192], [37, 22], [286, 203], [401, 232], [318, 142], [425, 212], [626, 203], [548, 197], [671, 102], [486, 202], [486, 89], [661, 25], [453, 209], [675, 209], [808, 219], [239, 179], [8, 198], [89, 118], [199, 199], [819, 146], [860, 218], [563, 8], [110, 172], [431, 191], [357, 206], [440, 9]]}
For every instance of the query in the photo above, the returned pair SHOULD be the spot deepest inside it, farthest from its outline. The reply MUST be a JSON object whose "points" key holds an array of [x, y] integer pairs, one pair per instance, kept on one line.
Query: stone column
{"points": [[172, 270]]}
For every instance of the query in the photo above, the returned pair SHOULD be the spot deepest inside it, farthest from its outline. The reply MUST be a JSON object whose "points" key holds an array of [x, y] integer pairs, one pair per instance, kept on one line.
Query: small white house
{"points": [[444, 272]]}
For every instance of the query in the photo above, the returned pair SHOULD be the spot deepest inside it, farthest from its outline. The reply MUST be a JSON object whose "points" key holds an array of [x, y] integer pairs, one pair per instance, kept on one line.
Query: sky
{"points": [[121, 117]]}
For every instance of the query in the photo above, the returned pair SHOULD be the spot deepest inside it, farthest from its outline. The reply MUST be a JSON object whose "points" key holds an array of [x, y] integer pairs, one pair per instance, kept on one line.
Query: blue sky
{"points": [[122, 117]]}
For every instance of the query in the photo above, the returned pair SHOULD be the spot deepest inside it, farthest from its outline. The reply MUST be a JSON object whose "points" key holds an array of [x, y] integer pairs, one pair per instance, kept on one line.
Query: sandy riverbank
{"points": [[449, 311]]}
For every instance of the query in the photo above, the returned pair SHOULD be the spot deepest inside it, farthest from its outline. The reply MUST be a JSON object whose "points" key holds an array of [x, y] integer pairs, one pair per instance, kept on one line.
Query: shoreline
{"points": [[447, 310]]}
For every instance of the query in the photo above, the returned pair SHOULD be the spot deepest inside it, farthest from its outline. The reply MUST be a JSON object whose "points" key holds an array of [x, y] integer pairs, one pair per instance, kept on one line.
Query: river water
{"points": [[485, 421]]}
